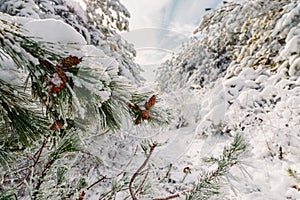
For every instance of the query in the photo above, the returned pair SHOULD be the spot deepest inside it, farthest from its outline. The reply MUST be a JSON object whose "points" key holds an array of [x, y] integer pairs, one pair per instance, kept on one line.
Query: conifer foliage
{"points": [[55, 95], [98, 22]]}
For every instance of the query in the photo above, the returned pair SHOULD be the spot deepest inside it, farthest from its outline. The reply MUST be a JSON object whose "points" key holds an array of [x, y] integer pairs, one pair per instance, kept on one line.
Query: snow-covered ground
{"points": [[250, 97]]}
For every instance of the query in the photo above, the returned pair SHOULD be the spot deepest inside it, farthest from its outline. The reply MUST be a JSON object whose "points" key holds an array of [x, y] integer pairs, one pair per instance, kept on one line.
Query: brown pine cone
{"points": [[58, 124], [145, 114], [71, 61], [149, 104]]}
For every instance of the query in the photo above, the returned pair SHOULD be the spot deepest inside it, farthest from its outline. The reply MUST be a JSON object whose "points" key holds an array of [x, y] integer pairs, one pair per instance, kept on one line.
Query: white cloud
{"points": [[162, 13], [191, 11], [158, 27], [186, 14], [185, 29], [145, 13]]}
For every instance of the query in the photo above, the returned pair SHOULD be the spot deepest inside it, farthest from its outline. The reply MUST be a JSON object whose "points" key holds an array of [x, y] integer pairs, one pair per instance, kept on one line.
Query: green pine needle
{"points": [[209, 182]]}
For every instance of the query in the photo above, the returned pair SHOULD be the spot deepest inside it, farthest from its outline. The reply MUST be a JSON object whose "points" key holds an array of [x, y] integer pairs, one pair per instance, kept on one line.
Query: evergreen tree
{"points": [[51, 101]]}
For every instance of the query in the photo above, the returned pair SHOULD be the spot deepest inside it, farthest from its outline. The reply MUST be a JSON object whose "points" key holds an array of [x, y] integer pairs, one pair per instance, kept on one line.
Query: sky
{"points": [[159, 27]]}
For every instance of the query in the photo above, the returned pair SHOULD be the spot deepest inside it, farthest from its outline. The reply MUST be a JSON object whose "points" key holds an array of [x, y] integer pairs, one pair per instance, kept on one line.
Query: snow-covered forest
{"points": [[78, 121]]}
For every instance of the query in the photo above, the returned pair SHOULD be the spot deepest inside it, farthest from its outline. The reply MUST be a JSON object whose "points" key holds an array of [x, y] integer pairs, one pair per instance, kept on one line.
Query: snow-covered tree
{"points": [[59, 90], [243, 65], [233, 34]]}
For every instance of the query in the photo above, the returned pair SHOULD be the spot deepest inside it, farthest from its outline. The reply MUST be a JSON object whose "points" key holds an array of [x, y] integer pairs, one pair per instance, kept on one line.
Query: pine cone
{"points": [[149, 104], [71, 61], [58, 124], [145, 114], [137, 121], [57, 81]]}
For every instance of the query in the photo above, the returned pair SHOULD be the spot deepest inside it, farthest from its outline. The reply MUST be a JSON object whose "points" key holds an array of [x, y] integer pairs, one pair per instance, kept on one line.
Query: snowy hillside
{"points": [[243, 71]]}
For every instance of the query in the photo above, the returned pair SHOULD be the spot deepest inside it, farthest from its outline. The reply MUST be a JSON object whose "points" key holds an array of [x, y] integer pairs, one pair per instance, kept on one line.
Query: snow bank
{"points": [[54, 31]]}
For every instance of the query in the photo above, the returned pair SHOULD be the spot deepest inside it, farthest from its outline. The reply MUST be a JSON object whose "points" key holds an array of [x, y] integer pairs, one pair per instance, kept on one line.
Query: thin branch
{"points": [[81, 196], [38, 154], [41, 179], [169, 197], [106, 194], [142, 183], [98, 181], [132, 193], [103, 177]]}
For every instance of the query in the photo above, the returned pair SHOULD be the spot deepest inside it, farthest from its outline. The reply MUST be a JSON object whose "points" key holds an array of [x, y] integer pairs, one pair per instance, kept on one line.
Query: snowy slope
{"points": [[244, 73]]}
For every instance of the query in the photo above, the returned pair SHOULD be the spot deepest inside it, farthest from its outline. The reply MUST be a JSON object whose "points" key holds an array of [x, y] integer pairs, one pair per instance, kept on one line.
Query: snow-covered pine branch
{"points": [[58, 91], [99, 23]]}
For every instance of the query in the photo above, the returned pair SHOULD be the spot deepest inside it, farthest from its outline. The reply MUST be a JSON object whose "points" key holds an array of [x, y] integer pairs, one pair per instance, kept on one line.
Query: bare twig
{"points": [[103, 177], [132, 193], [110, 192], [38, 154], [92, 185], [142, 183], [41, 179], [98, 181], [169, 197], [81, 196]]}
